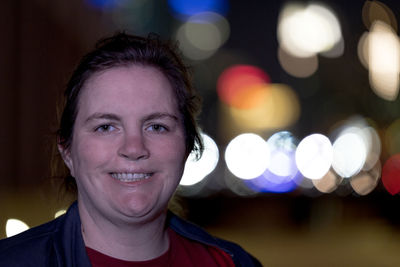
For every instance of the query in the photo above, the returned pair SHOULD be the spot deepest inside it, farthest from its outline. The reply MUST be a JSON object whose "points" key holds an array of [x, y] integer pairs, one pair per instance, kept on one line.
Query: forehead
{"points": [[128, 87]]}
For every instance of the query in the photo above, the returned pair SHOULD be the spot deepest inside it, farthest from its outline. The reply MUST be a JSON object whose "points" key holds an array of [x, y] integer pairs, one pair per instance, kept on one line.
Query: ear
{"points": [[66, 156]]}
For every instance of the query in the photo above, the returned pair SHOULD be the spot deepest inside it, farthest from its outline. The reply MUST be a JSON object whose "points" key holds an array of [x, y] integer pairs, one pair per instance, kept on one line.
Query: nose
{"points": [[133, 147]]}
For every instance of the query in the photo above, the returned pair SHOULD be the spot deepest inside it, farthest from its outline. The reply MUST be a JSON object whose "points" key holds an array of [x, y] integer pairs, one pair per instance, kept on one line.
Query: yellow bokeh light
{"points": [[279, 108], [376, 10], [202, 35], [59, 213], [392, 138], [237, 85]]}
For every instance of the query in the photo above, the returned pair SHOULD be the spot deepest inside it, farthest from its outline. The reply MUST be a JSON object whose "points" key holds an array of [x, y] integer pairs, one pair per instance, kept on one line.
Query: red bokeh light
{"points": [[238, 82], [391, 174]]}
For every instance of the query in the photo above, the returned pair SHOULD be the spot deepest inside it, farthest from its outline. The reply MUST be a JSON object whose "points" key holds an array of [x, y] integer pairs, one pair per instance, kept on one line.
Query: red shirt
{"points": [[181, 252]]}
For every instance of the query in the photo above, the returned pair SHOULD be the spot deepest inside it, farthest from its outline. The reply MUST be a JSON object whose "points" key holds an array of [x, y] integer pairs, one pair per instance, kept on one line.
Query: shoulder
{"points": [[44, 245], [29, 246], [196, 233]]}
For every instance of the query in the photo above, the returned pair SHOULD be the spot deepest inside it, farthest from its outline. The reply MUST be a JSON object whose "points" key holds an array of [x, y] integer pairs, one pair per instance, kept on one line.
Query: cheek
{"points": [[87, 155], [175, 161], [173, 150]]}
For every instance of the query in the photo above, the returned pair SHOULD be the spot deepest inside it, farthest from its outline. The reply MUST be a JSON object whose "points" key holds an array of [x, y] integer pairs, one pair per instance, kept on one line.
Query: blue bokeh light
{"points": [[282, 175], [103, 4], [183, 9], [263, 183]]}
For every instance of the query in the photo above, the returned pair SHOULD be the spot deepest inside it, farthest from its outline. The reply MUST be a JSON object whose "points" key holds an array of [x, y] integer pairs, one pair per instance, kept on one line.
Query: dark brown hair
{"points": [[123, 49]]}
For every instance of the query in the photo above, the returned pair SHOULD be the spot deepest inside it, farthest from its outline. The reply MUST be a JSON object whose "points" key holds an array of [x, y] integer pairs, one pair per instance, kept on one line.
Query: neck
{"points": [[130, 241]]}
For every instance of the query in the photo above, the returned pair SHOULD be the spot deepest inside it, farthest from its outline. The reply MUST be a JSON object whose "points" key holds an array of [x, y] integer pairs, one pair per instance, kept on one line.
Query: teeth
{"points": [[130, 177]]}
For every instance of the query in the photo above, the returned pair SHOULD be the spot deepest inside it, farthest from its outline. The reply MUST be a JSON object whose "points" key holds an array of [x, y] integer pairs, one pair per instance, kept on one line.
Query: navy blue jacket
{"points": [[60, 243]]}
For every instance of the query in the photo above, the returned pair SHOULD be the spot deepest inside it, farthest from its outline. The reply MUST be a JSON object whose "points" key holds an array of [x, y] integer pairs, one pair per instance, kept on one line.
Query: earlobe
{"points": [[66, 156]]}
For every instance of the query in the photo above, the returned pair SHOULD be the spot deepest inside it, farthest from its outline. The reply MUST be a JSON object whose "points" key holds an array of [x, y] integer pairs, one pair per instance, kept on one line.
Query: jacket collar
{"points": [[69, 241]]}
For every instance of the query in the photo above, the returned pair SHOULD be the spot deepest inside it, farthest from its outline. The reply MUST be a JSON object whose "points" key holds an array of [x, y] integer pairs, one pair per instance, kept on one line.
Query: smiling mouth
{"points": [[130, 177]]}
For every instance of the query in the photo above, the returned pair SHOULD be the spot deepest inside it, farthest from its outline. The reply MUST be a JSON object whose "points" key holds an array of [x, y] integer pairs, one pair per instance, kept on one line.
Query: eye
{"points": [[157, 128], [105, 128]]}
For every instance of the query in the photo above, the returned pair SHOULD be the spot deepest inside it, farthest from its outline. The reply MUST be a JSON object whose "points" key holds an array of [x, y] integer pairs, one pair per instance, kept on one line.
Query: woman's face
{"points": [[128, 146]]}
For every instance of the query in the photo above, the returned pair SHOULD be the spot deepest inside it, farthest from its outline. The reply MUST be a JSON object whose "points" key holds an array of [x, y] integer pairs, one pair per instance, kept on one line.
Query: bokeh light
{"points": [[247, 156], [278, 107], [103, 4], [328, 183], [365, 181], [357, 146], [237, 85], [239, 186], [197, 170], [202, 35], [349, 154], [15, 226], [314, 156], [59, 213], [363, 49], [392, 138], [304, 30], [282, 147], [373, 145], [300, 67], [282, 174], [263, 183], [134, 15], [336, 51], [383, 60], [391, 174], [305, 183], [376, 10], [183, 9]]}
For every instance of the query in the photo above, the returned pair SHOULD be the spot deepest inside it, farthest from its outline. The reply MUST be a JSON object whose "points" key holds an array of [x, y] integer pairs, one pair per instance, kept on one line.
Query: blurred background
{"points": [[301, 118]]}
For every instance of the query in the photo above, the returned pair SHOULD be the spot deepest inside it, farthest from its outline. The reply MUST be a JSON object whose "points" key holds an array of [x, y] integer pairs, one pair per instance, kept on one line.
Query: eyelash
{"points": [[161, 127], [104, 128], [158, 128]]}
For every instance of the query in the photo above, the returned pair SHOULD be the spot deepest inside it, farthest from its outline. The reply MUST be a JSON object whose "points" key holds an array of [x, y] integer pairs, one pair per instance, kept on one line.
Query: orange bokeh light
{"points": [[239, 85]]}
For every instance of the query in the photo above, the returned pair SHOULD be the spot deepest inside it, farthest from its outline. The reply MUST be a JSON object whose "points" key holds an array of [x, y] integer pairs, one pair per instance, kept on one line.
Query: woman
{"points": [[127, 127]]}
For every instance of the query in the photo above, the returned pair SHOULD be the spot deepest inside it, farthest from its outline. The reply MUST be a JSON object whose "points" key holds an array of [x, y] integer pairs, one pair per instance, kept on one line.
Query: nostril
{"points": [[133, 148]]}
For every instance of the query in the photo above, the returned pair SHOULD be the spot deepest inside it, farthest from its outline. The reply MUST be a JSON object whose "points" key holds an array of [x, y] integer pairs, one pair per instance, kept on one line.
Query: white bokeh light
{"points": [[247, 156], [349, 153], [374, 148], [304, 31], [15, 226], [384, 60], [314, 156], [197, 170], [281, 145]]}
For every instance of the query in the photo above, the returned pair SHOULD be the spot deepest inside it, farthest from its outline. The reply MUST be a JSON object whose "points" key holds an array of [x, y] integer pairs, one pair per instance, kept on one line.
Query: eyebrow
{"points": [[104, 116], [114, 117], [160, 115]]}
